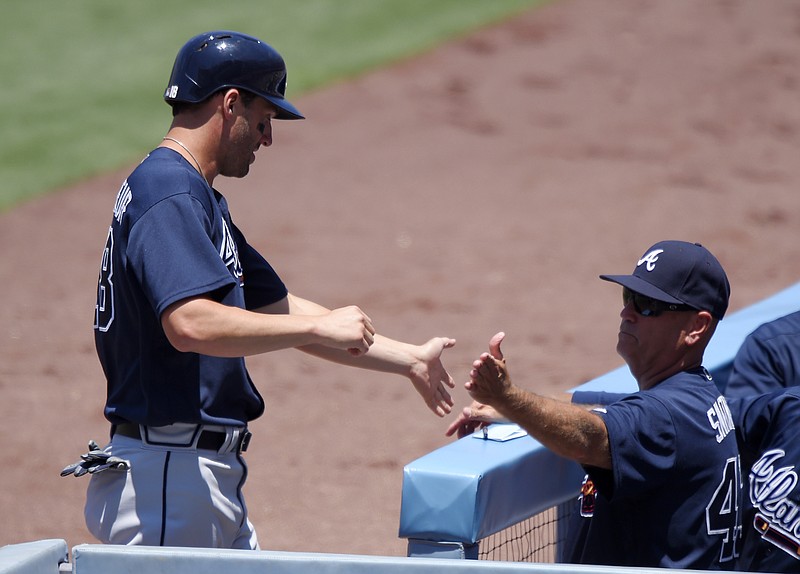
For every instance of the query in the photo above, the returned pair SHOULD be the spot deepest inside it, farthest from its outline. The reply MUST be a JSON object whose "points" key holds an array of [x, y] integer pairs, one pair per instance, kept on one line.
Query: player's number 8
{"points": [[104, 308]]}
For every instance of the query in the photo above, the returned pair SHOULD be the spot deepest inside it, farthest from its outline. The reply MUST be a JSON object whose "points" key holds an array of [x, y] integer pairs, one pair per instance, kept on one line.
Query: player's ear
{"points": [[229, 99]]}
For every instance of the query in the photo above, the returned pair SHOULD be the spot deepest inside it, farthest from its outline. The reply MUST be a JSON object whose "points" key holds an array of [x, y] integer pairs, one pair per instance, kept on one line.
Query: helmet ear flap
{"points": [[222, 59]]}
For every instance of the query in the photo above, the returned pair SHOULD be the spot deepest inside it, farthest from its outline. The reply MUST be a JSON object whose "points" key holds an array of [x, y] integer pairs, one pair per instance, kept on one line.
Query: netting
{"points": [[535, 539]]}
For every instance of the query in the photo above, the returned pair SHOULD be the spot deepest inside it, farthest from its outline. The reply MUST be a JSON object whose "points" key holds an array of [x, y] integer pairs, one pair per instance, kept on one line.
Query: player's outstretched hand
{"points": [[430, 378]]}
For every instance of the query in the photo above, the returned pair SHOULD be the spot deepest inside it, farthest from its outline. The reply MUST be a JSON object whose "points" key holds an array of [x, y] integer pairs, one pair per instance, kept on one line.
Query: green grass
{"points": [[82, 79]]}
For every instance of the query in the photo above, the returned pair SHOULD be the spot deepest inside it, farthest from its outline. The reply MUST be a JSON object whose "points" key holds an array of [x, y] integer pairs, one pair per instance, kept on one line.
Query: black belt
{"points": [[208, 440]]}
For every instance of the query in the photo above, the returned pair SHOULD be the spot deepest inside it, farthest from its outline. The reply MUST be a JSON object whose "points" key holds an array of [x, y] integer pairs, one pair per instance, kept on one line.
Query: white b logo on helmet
{"points": [[650, 259]]}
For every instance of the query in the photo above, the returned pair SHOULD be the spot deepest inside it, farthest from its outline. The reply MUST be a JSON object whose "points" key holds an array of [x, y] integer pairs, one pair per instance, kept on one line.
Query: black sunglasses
{"points": [[649, 307]]}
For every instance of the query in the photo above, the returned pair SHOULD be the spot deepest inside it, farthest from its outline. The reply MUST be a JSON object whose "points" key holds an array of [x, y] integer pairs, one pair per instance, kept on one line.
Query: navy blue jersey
{"points": [[671, 497], [766, 426], [171, 238], [768, 360]]}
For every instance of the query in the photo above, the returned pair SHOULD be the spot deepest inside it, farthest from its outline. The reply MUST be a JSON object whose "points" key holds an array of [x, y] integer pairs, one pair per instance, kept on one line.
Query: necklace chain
{"points": [[200, 169]]}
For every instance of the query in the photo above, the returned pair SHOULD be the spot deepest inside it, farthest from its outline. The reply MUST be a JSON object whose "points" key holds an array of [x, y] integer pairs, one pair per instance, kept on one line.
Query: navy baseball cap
{"points": [[678, 272]]}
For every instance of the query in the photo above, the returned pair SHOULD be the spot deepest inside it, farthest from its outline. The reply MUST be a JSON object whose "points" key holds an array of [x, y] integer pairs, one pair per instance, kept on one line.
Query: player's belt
{"points": [[208, 439]]}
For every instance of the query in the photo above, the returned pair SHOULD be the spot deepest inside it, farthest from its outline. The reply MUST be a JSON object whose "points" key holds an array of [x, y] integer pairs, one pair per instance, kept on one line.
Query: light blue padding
{"points": [[472, 488], [40, 557], [98, 559]]}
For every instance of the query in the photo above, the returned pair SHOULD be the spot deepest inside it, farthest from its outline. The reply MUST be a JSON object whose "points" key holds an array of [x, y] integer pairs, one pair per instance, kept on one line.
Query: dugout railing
{"points": [[456, 498], [53, 557]]}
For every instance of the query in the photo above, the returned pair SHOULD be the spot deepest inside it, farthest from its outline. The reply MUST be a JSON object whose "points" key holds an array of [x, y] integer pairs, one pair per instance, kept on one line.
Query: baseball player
{"points": [[766, 427], [768, 360], [663, 480], [183, 297]]}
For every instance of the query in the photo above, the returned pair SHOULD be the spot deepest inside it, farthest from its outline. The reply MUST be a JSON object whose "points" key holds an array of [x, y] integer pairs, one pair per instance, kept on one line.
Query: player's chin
{"points": [[238, 171]]}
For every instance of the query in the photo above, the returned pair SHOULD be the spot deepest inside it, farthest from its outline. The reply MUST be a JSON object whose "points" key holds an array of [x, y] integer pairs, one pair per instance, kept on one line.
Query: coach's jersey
{"points": [[171, 238], [766, 426], [768, 360], [672, 497]]}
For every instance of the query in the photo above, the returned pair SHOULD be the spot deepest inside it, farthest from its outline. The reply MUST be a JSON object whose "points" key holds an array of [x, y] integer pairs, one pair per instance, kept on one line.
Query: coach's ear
{"points": [[700, 329]]}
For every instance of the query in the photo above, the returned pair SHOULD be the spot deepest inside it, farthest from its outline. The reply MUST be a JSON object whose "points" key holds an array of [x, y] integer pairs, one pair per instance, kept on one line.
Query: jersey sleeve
{"points": [[755, 370], [596, 397], [752, 416], [642, 439], [171, 252], [769, 358]]}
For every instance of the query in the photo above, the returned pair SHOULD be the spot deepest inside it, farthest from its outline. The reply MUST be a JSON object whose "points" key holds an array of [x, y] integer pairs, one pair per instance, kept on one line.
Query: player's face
{"points": [[252, 128], [652, 345]]}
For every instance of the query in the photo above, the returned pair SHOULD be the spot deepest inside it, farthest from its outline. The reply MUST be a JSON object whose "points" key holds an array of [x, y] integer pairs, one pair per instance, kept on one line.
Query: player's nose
{"points": [[265, 128]]}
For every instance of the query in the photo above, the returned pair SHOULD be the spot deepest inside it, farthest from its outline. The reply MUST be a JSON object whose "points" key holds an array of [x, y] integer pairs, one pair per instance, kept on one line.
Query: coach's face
{"points": [[654, 348]]}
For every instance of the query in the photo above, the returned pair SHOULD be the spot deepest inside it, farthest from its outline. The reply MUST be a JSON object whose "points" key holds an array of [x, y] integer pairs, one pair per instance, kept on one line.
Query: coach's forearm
{"points": [[566, 429]]}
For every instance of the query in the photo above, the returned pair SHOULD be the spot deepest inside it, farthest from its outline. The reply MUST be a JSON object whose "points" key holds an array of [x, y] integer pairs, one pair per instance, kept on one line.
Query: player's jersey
{"points": [[766, 426], [671, 499], [768, 360], [172, 237]]}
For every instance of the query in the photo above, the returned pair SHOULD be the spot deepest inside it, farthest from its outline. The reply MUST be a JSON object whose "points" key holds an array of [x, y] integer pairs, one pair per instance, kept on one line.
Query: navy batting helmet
{"points": [[221, 59]]}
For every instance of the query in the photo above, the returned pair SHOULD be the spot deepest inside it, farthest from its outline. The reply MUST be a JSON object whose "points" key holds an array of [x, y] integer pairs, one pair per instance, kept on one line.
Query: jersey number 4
{"points": [[722, 513]]}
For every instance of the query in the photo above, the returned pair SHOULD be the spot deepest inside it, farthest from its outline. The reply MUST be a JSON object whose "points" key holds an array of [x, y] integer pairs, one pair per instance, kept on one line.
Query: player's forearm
{"points": [[295, 305], [206, 327], [385, 355]]}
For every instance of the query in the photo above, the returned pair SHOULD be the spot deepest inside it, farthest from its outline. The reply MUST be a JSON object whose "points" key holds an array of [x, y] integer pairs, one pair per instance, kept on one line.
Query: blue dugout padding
{"points": [[40, 557], [473, 488]]}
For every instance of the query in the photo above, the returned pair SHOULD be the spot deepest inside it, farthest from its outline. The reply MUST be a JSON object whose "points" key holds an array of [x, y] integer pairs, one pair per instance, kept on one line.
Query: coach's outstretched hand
{"points": [[478, 414], [474, 417], [489, 381]]}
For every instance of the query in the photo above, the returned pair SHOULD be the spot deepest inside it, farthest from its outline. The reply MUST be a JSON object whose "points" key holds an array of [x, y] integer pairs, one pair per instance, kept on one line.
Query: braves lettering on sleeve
{"points": [[672, 497], [766, 427]]}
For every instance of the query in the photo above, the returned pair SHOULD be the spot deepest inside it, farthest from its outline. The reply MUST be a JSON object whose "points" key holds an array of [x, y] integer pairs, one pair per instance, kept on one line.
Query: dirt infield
{"points": [[481, 187]]}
